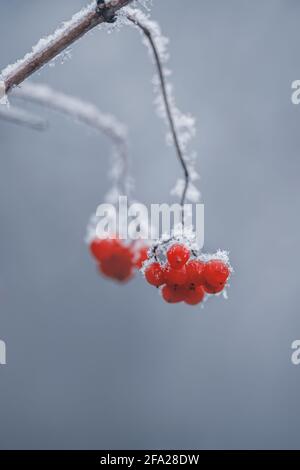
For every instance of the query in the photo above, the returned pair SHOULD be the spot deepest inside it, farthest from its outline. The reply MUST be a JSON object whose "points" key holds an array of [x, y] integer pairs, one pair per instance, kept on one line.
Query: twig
{"points": [[146, 31], [87, 113], [48, 48], [23, 118]]}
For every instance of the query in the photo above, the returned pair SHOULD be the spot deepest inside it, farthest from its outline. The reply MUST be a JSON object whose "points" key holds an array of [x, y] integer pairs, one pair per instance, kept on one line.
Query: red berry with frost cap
{"points": [[194, 297], [216, 273], [194, 271], [175, 277], [142, 257], [173, 295], [178, 255], [154, 274]]}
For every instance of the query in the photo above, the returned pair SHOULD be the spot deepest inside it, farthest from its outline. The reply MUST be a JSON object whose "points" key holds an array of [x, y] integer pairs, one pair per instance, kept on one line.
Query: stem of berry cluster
{"points": [[171, 120], [50, 47]]}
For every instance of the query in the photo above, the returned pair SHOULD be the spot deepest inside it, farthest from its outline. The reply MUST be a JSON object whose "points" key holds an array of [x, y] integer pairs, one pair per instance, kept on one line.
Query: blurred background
{"points": [[91, 364]]}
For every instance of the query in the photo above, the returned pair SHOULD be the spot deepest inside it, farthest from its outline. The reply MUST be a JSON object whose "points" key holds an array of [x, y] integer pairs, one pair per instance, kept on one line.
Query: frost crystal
{"points": [[184, 123]]}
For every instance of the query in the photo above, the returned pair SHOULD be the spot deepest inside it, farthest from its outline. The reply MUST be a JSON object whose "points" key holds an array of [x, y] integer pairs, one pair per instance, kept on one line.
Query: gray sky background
{"points": [[95, 365]]}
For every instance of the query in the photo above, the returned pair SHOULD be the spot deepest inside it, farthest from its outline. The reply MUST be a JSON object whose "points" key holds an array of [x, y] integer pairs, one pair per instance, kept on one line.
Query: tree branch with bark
{"points": [[48, 48]]}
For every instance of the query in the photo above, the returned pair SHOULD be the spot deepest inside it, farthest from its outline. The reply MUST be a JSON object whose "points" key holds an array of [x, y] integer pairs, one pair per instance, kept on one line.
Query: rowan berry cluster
{"points": [[184, 275], [116, 259]]}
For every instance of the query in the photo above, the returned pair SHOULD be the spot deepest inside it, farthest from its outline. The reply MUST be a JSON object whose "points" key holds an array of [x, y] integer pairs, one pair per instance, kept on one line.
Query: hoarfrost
{"points": [[184, 123], [89, 114], [45, 42], [192, 192], [60, 32]]}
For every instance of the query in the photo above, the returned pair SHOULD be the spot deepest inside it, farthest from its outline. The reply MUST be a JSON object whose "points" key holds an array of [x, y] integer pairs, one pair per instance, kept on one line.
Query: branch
{"points": [[23, 118], [90, 115], [48, 48]]}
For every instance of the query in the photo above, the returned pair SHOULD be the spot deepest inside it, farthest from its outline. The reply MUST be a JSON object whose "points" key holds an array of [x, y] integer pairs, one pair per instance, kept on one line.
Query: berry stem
{"points": [[167, 104]]}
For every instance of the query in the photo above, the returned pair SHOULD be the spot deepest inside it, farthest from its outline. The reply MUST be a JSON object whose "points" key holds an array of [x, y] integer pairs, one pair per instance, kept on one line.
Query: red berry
{"points": [[216, 273], [173, 295], [118, 265], [194, 297], [123, 274], [106, 269], [102, 248], [212, 289], [175, 277], [142, 257], [178, 255], [194, 271], [154, 274]]}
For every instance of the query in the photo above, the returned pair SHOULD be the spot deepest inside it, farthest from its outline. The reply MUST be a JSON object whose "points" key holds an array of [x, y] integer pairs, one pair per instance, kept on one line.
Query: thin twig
{"points": [[21, 117], [48, 48], [87, 113], [162, 80]]}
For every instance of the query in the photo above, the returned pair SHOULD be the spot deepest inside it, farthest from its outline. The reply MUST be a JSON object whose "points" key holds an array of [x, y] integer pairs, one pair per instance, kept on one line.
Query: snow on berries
{"points": [[142, 257], [183, 273]]}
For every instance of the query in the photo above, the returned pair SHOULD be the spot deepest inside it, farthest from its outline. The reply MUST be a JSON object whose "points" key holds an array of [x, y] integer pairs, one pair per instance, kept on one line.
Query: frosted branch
{"points": [[90, 115], [21, 117], [49, 47]]}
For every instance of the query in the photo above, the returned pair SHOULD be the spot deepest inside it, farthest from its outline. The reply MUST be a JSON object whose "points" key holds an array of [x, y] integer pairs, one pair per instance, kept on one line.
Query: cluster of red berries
{"points": [[186, 279], [116, 259]]}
